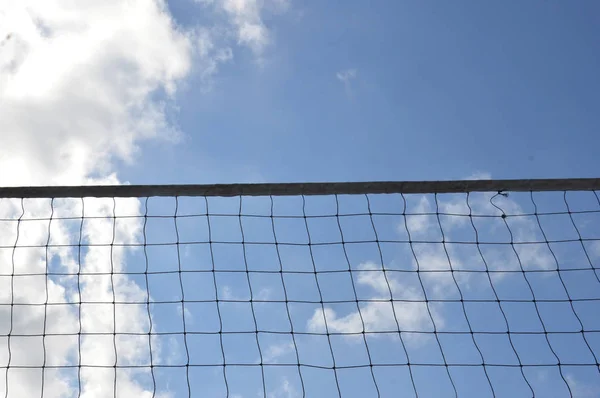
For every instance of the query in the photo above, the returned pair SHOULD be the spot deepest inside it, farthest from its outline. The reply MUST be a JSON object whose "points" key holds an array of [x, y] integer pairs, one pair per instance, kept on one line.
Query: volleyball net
{"points": [[428, 289]]}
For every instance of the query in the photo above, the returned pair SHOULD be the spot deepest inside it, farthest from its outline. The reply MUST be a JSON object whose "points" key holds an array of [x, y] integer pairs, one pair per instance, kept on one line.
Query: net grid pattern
{"points": [[472, 294]]}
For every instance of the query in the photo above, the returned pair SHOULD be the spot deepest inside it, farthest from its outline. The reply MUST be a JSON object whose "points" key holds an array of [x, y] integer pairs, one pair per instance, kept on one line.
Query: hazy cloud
{"points": [[346, 76], [245, 20]]}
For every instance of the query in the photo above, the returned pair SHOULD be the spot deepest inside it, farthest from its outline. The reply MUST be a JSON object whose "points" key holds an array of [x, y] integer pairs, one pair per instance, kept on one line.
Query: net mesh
{"points": [[475, 294]]}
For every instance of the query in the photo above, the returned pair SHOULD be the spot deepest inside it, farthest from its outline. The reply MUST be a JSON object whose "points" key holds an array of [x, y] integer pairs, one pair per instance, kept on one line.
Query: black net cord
{"points": [[462, 302], [497, 298], [535, 303], [427, 301], [574, 295]]}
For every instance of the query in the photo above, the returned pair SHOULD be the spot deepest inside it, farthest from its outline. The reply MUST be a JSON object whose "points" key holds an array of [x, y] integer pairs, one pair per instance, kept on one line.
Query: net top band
{"points": [[311, 188]]}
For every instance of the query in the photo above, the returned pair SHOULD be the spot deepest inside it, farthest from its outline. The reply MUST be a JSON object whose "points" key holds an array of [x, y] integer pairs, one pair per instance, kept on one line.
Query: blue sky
{"points": [[442, 90], [215, 91], [439, 91]]}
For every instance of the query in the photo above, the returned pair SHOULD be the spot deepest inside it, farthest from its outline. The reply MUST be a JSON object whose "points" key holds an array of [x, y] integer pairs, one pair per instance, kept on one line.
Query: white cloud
{"points": [[211, 53], [523, 229], [285, 390], [75, 85], [79, 87], [582, 390], [76, 88], [418, 223], [98, 314], [346, 76], [442, 283], [480, 175], [379, 316], [189, 317], [245, 19], [227, 294], [263, 294], [276, 351]]}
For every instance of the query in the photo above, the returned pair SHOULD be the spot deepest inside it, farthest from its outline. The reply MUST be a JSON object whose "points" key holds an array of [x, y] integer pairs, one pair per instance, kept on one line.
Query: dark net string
{"points": [[462, 301], [389, 289], [47, 261], [314, 265], [307, 381], [146, 280], [497, 298], [214, 278], [362, 321], [12, 297], [79, 332], [427, 301], [559, 273], [535, 302], [260, 354], [185, 337], [113, 292], [285, 295]]}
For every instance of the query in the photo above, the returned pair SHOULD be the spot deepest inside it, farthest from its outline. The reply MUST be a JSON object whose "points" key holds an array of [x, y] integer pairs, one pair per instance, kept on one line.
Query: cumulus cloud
{"points": [[456, 221], [378, 316], [75, 85], [97, 349], [78, 88], [437, 261]]}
